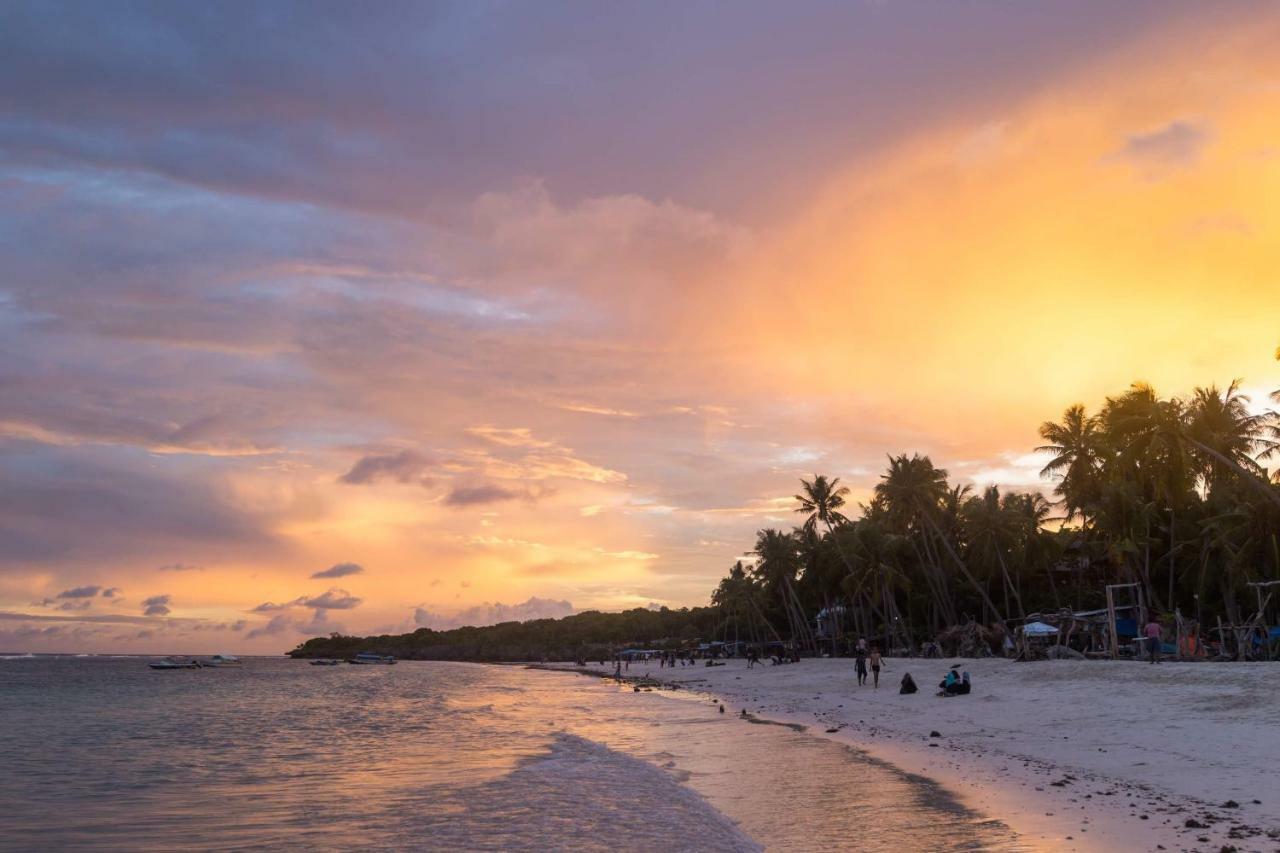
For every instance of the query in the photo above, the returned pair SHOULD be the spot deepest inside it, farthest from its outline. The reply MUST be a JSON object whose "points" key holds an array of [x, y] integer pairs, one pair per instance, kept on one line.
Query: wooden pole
{"points": [[1111, 623]]}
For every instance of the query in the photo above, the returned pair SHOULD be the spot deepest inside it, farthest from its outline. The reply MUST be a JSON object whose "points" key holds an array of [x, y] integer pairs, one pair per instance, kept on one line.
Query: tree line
{"points": [[589, 635], [1171, 494], [1167, 493]]}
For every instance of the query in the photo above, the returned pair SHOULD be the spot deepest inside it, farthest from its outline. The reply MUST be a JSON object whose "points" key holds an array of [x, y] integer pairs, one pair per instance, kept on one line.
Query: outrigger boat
{"points": [[175, 663], [371, 658]]}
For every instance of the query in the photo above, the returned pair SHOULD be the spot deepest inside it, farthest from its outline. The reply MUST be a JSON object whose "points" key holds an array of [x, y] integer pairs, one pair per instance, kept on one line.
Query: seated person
{"points": [[950, 686], [964, 686], [908, 684]]}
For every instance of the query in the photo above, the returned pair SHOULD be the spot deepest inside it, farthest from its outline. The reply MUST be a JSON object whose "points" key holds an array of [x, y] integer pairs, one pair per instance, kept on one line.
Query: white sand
{"points": [[1172, 742]]}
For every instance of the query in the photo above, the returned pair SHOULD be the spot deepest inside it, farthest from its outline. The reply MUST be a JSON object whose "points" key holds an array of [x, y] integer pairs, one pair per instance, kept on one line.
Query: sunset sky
{"points": [[368, 317]]}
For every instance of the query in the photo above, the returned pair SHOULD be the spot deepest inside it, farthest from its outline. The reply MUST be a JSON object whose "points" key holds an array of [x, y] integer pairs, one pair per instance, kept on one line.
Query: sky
{"points": [[344, 317]]}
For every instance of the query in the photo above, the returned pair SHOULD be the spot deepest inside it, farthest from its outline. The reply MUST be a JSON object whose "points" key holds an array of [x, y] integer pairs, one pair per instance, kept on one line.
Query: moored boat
{"points": [[325, 662], [371, 658], [175, 663]]}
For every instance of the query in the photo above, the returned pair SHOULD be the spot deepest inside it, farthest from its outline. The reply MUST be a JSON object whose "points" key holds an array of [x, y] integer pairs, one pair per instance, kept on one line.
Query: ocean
{"points": [[103, 753]]}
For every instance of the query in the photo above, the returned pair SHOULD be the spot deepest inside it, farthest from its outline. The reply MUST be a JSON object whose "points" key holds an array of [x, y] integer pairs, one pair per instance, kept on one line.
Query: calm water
{"points": [[106, 753]]}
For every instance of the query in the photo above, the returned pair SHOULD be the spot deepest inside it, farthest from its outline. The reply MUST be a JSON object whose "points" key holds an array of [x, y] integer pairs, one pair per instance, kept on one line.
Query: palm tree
{"points": [[1220, 421], [737, 597], [992, 531], [822, 501], [779, 561], [1156, 436], [915, 491], [1076, 446], [1030, 511]]}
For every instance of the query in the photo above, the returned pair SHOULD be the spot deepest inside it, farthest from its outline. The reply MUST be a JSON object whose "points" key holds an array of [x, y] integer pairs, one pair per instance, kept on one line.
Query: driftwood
{"points": [[970, 640]]}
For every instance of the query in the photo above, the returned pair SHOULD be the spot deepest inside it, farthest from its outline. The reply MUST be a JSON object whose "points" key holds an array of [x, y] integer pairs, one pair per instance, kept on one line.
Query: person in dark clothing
{"points": [[950, 685], [908, 684], [860, 665]]}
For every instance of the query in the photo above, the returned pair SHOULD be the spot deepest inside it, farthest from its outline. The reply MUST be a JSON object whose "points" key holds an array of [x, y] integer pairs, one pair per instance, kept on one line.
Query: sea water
{"points": [[104, 753]]}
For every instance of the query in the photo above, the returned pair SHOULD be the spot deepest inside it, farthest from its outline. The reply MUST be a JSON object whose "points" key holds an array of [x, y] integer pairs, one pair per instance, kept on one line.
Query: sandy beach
{"points": [[1081, 756]]}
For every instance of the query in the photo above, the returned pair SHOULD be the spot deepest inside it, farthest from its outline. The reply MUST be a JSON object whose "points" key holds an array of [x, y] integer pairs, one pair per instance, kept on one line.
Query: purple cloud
{"points": [[1178, 143], [403, 467], [333, 599], [479, 495], [80, 592], [341, 570], [156, 605]]}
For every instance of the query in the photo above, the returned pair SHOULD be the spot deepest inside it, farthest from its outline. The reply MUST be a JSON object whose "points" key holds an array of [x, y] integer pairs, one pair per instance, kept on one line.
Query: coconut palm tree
{"points": [[915, 492], [992, 531], [777, 566], [1076, 446], [1221, 422], [822, 501]]}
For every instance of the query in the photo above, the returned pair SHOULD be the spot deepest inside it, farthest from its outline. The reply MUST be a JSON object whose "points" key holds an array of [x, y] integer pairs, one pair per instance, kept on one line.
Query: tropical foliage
{"points": [[1168, 493], [589, 635]]}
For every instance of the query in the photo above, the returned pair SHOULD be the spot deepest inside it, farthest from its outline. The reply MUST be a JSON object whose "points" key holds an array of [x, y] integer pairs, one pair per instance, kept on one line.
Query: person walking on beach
{"points": [[860, 664], [1152, 632], [875, 666]]}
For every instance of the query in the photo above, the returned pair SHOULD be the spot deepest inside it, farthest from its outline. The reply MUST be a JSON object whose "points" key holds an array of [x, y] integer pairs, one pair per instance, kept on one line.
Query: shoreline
{"points": [[1060, 751]]}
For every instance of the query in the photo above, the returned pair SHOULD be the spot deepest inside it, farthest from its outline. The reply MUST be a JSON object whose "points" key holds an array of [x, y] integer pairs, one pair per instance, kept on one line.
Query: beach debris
{"points": [[1230, 804], [935, 733], [1192, 823]]}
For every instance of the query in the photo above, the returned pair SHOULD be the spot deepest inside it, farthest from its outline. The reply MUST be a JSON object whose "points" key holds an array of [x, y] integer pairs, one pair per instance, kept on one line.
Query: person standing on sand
{"points": [[1153, 639], [860, 664], [875, 666]]}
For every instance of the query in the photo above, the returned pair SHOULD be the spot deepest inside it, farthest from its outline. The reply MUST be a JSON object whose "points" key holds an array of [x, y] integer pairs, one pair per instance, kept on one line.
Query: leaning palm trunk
{"points": [[1022, 612], [764, 619], [1253, 479], [800, 633], [944, 592], [964, 570]]}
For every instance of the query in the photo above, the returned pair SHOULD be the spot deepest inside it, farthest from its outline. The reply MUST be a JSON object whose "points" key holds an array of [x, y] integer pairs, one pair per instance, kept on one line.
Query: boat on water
{"points": [[325, 662], [175, 663], [222, 660], [371, 658]]}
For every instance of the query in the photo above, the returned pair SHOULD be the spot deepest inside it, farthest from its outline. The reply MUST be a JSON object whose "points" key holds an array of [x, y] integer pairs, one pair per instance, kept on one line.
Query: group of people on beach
{"points": [[862, 657], [670, 659], [954, 683]]}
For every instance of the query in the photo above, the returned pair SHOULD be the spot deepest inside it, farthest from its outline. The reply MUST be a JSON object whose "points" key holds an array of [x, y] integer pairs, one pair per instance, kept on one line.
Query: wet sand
{"points": [[1074, 755]]}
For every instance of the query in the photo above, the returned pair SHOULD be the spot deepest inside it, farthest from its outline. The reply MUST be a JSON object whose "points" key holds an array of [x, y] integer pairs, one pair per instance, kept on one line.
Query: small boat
{"points": [[175, 663], [222, 660], [371, 658], [325, 662]]}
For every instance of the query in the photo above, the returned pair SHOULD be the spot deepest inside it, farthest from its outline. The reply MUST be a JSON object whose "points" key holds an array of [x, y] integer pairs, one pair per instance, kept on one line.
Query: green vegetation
{"points": [[1168, 493], [591, 635]]}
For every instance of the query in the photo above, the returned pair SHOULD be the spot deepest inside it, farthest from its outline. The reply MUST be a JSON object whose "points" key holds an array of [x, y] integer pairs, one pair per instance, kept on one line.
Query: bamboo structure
{"points": [[1111, 613]]}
